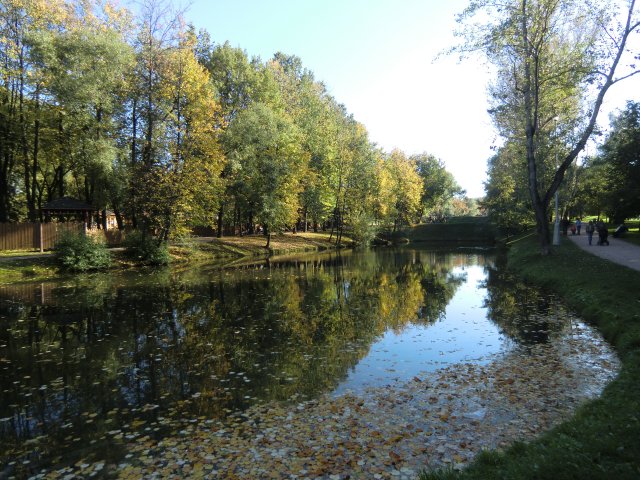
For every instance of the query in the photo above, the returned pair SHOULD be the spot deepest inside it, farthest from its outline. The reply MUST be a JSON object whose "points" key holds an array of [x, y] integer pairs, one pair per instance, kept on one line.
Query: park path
{"points": [[618, 251]]}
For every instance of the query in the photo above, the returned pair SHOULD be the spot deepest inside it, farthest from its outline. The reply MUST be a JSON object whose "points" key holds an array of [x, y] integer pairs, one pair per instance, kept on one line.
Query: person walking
{"points": [[578, 225], [603, 233], [590, 228]]}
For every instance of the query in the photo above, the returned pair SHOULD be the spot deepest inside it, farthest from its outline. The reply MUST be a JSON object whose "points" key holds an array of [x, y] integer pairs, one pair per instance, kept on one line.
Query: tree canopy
{"points": [[554, 61], [142, 115]]}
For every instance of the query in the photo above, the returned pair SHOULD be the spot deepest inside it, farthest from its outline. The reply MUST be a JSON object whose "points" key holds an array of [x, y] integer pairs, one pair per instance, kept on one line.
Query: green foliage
{"points": [[619, 162], [170, 131], [266, 146], [400, 191], [146, 250], [554, 63], [76, 252], [362, 230], [507, 199], [439, 185]]}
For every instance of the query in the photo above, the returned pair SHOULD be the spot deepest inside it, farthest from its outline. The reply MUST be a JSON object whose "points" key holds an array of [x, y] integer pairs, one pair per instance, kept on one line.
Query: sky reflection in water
{"points": [[138, 353], [464, 334]]}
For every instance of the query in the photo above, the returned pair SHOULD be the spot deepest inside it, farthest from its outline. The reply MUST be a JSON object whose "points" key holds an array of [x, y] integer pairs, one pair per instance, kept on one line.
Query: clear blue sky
{"points": [[377, 58]]}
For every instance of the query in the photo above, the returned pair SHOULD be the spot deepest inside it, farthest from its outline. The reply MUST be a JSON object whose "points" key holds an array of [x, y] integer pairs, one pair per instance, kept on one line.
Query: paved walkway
{"points": [[618, 251]]}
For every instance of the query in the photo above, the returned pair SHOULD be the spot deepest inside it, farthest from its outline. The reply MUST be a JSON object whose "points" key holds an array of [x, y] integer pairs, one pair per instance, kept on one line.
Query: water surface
{"points": [[106, 356]]}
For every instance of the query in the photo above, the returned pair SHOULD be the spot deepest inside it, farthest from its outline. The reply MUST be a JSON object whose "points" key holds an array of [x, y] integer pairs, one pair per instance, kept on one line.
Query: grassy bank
{"points": [[38, 268], [31, 269], [602, 440], [463, 230]]}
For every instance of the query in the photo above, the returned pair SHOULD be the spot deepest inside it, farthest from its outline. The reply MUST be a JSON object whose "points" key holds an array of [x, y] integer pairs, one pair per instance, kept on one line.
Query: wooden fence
{"points": [[43, 236]]}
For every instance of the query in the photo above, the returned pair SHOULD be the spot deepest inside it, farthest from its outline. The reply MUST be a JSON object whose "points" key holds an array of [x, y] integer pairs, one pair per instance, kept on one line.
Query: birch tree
{"points": [[555, 62]]}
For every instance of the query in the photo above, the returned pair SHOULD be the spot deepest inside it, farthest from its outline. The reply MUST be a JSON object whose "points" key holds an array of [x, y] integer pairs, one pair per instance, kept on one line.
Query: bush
{"points": [[362, 232], [77, 252], [146, 249]]}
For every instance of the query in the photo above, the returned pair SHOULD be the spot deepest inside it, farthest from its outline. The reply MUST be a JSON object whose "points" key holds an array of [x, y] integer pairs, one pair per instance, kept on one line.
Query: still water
{"points": [[104, 355]]}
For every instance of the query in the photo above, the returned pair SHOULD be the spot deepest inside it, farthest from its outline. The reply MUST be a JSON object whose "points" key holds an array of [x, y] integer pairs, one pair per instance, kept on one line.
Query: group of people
{"points": [[592, 227], [601, 229]]}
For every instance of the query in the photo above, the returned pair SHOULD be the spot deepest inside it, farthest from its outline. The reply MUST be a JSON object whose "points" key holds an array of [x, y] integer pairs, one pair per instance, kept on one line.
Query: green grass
{"points": [[20, 253], [476, 230], [27, 270], [602, 440], [632, 236], [187, 252]]}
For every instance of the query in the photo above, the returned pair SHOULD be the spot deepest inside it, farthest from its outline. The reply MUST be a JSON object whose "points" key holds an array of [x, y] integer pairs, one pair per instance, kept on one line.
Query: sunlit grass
{"points": [[21, 253], [32, 269], [477, 230], [602, 440], [183, 252]]}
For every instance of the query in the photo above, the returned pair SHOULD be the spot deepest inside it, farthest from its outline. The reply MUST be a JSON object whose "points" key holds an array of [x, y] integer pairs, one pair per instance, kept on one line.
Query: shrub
{"points": [[363, 231], [77, 252], [146, 249]]}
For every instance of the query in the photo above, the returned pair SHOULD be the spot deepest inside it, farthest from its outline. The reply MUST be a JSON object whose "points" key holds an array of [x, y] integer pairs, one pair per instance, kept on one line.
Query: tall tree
{"points": [[506, 199], [238, 83], [83, 79], [181, 182], [439, 185], [20, 103], [551, 56], [402, 189], [266, 146], [619, 162]]}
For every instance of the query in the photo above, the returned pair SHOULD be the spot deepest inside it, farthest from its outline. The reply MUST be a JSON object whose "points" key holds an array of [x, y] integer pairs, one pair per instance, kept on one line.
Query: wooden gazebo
{"points": [[67, 207]]}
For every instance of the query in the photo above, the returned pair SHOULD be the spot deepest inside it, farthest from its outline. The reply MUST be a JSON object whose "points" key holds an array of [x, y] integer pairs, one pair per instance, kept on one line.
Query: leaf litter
{"points": [[440, 418]]}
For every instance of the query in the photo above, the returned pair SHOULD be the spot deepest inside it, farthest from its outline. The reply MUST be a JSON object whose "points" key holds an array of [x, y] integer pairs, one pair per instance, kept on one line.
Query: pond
{"points": [[95, 364]]}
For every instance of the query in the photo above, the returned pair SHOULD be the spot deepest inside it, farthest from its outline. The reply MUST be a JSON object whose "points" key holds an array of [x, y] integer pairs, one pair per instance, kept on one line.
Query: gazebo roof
{"points": [[68, 204]]}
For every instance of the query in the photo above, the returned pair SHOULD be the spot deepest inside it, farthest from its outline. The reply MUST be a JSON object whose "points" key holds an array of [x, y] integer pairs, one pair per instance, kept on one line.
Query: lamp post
{"points": [[556, 226]]}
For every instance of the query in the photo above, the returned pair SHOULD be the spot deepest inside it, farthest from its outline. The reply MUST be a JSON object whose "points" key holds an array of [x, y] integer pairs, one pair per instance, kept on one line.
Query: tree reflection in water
{"points": [[88, 360]]}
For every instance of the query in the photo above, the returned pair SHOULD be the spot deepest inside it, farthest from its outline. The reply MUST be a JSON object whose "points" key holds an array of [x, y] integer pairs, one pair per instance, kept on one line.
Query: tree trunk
{"points": [[531, 102], [220, 218], [4, 186], [36, 150], [118, 215], [542, 227], [134, 161]]}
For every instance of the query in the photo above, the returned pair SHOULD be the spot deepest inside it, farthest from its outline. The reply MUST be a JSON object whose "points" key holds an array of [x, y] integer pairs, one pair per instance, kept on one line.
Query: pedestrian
{"points": [[590, 228], [578, 225], [603, 233]]}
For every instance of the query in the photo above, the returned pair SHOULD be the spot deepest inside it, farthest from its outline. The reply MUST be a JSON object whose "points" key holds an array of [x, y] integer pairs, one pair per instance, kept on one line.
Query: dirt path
{"points": [[618, 251]]}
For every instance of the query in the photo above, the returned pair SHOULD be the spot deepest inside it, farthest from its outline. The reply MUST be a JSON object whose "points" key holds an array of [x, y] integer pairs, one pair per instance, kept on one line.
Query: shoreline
{"points": [[35, 266]]}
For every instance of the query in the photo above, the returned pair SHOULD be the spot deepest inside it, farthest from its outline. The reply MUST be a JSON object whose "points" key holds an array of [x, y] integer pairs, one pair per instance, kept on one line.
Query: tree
{"points": [[82, 80], [184, 180], [401, 189], [20, 103], [176, 158], [506, 199], [439, 185], [551, 57], [619, 163], [266, 146], [238, 83]]}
